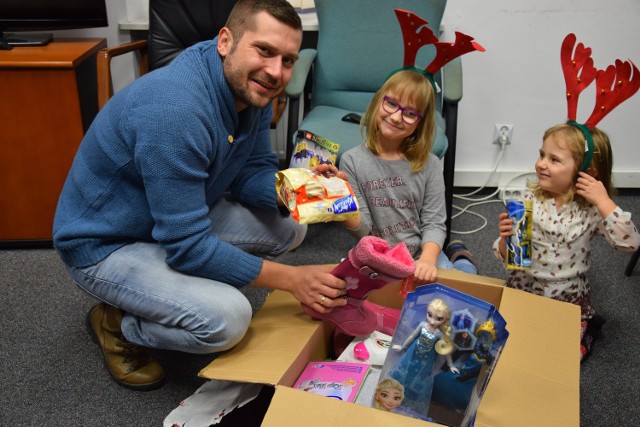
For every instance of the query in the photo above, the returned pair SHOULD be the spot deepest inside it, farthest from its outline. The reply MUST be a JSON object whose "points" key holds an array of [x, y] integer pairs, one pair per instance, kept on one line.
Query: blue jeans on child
{"points": [[174, 311], [461, 264]]}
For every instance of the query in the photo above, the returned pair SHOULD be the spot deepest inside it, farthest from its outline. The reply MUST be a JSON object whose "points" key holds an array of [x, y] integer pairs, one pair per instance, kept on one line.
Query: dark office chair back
{"points": [[175, 25]]}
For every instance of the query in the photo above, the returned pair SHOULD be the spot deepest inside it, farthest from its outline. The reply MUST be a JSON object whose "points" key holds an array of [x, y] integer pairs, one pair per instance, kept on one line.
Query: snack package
{"points": [[312, 197], [312, 150]]}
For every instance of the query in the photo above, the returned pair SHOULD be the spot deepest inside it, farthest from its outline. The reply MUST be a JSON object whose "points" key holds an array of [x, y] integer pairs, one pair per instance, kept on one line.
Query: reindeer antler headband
{"points": [[416, 34], [613, 86]]}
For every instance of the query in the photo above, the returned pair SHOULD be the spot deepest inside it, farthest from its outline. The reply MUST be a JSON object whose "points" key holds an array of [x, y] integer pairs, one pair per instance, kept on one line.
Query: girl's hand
{"points": [[505, 225], [591, 189], [330, 170], [426, 272], [595, 193]]}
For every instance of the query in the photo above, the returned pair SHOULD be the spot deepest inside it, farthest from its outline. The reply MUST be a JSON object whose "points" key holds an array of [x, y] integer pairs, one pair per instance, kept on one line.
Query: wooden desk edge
{"points": [[62, 52]]}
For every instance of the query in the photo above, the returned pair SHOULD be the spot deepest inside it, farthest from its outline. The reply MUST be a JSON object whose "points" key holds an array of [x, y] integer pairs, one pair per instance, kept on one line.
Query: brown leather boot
{"points": [[130, 365]]}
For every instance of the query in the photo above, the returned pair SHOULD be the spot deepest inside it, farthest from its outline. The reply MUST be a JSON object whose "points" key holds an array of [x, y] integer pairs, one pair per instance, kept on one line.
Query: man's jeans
{"points": [[170, 310]]}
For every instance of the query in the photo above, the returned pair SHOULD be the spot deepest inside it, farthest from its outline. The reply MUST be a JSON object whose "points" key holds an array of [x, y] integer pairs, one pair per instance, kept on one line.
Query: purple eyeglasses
{"points": [[409, 115]]}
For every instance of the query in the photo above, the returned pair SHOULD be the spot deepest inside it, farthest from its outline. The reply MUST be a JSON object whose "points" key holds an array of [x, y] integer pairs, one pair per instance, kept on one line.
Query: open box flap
{"points": [[311, 410], [545, 358], [492, 293], [280, 341]]}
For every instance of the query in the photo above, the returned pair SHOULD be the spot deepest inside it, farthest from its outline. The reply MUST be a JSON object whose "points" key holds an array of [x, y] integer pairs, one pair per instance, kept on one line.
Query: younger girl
{"points": [[398, 182], [569, 208]]}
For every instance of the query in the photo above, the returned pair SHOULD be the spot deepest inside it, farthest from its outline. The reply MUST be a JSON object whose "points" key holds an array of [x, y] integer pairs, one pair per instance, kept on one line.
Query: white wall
{"points": [[518, 80]]}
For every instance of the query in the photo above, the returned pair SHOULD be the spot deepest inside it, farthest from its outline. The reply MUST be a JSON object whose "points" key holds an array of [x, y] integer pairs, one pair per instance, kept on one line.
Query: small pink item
{"points": [[360, 351]]}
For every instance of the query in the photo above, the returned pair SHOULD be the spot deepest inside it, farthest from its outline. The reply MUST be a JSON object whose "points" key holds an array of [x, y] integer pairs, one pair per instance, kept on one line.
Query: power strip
{"points": [[512, 191]]}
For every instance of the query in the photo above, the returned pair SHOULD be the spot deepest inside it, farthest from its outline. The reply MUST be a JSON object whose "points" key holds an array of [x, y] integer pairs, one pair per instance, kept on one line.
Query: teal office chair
{"points": [[359, 44]]}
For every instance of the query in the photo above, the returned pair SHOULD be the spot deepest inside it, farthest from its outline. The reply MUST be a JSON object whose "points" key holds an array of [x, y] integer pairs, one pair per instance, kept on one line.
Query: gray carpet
{"points": [[52, 373]]}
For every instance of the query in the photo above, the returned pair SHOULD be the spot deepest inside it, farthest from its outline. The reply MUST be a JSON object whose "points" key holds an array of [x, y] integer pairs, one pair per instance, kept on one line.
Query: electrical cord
{"points": [[465, 210], [503, 140]]}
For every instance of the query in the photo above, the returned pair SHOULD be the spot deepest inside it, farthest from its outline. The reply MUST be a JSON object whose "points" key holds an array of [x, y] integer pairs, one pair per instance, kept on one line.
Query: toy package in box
{"points": [[338, 380], [312, 150], [519, 246], [442, 355]]}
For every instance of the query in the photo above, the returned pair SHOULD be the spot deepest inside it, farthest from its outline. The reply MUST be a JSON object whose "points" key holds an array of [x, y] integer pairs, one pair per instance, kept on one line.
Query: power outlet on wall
{"points": [[510, 192], [502, 132]]}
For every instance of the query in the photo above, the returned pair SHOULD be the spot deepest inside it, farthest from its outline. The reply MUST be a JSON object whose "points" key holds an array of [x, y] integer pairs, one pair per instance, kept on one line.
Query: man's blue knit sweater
{"points": [[156, 157]]}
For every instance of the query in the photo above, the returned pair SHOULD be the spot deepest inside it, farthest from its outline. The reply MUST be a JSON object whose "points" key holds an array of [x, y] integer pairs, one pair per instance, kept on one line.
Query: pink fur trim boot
{"points": [[370, 265]]}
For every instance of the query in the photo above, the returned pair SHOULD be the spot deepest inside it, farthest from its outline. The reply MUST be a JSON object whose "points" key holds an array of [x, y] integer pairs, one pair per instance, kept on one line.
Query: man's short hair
{"points": [[242, 15]]}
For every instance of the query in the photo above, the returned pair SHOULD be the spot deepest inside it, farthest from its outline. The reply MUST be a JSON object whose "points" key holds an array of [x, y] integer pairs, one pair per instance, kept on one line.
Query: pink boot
{"points": [[370, 265], [387, 319]]}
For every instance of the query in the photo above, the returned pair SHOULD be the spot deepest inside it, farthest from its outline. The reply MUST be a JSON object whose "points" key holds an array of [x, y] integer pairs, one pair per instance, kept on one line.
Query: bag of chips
{"points": [[312, 197]]}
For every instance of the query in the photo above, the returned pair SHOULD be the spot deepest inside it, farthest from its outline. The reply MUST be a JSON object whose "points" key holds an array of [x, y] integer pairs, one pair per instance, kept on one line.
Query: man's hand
{"points": [[318, 288], [312, 285]]}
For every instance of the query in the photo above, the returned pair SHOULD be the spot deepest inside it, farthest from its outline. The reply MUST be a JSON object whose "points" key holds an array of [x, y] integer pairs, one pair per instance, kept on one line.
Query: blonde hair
{"points": [[412, 87], [601, 164], [444, 346], [387, 383]]}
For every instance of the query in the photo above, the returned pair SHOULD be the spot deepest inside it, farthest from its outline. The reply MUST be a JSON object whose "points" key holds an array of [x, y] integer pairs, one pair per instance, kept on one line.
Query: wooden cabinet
{"points": [[48, 98]]}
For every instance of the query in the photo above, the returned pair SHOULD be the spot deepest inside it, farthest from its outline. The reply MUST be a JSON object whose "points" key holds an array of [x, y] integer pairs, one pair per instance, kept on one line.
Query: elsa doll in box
{"points": [[419, 352]]}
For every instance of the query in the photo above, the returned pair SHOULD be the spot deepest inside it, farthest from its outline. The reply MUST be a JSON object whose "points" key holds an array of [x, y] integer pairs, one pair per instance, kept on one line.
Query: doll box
{"points": [[537, 381], [434, 387]]}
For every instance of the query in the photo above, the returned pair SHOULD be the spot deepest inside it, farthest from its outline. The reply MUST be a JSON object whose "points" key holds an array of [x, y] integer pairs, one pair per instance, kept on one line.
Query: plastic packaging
{"points": [[519, 243], [312, 197]]}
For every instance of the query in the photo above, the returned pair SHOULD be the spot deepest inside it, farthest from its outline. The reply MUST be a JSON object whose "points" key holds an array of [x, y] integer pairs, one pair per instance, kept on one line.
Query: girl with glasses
{"points": [[396, 178]]}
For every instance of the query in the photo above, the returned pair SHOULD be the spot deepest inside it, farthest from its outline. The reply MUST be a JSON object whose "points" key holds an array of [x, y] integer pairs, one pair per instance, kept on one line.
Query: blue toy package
{"points": [[443, 353], [519, 243]]}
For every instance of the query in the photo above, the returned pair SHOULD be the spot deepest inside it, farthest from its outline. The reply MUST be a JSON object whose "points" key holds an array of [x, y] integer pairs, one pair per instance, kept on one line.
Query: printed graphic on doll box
{"points": [[338, 380], [442, 356]]}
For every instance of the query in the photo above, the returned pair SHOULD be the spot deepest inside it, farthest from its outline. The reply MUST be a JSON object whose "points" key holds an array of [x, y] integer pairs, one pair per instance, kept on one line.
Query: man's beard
{"points": [[239, 85]]}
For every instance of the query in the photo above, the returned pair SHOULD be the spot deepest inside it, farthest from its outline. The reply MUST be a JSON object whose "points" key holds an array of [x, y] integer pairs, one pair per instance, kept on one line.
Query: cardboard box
{"points": [[537, 381]]}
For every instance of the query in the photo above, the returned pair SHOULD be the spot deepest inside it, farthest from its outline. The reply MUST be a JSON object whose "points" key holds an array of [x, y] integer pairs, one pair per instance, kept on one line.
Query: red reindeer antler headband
{"points": [[614, 85], [416, 34]]}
